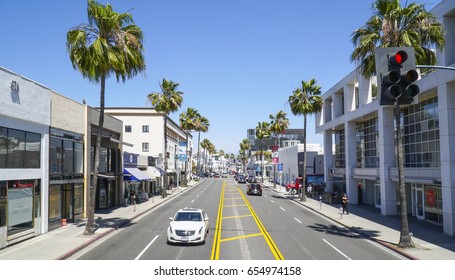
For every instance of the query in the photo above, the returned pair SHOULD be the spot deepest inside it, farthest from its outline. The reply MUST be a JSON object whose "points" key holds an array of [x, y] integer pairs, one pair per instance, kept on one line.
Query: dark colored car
{"points": [[254, 189], [241, 179]]}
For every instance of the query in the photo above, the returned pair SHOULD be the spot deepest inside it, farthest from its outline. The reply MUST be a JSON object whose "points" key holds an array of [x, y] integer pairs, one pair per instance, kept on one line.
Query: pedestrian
{"points": [[344, 203]]}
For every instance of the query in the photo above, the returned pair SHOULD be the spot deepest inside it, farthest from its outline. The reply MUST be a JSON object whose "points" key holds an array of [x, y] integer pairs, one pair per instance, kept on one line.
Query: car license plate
{"points": [[184, 239]]}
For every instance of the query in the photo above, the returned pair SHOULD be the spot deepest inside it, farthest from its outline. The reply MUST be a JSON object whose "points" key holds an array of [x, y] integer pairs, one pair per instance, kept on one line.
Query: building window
{"points": [[340, 157], [128, 128], [145, 147], [19, 149], [145, 128], [367, 139], [421, 134]]}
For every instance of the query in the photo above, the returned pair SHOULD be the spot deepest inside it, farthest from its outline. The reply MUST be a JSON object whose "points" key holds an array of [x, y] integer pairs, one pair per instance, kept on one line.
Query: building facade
{"points": [[360, 146]]}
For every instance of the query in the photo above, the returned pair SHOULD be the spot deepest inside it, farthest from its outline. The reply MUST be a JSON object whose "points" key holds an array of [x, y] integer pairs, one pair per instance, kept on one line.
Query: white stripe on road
{"points": [[272, 201], [282, 209], [145, 249], [336, 249], [297, 220], [192, 201]]}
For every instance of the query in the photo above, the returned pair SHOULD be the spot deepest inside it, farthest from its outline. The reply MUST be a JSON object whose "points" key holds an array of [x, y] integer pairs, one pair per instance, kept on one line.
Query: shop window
{"points": [[32, 150], [55, 203], [20, 205], [68, 158], [3, 200], [3, 146], [16, 148]]}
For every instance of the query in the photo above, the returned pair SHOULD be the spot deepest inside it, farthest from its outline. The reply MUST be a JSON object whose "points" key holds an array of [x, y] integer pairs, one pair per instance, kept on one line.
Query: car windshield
{"points": [[188, 216]]}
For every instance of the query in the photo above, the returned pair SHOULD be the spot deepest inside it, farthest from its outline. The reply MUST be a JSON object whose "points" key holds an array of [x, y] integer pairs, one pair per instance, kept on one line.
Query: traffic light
{"points": [[395, 67]]}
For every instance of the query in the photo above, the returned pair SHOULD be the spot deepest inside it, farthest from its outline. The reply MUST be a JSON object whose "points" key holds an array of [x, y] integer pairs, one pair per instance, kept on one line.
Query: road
{"points": [[242, 227]]}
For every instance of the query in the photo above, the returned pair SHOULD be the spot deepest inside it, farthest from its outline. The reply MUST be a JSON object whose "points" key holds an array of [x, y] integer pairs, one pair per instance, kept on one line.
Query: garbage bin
{"points": [[63, 222]]}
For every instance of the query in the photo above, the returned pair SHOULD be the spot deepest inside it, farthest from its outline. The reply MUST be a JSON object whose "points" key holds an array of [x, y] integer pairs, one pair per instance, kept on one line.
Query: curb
{"points": [[380, 242], [118, 225]]}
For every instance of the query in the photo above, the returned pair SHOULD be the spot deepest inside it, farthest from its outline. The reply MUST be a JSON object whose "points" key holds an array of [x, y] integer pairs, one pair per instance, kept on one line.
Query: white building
{"points": [[362, 132], [144, 130]]}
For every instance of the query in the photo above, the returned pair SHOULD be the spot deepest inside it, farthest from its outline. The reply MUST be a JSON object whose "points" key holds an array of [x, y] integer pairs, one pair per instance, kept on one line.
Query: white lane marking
{"points": [[297, 220], [266, 195], [145, 249], [272, 201], [282, 209], [197, 195], [192, 201], [336, 249]]}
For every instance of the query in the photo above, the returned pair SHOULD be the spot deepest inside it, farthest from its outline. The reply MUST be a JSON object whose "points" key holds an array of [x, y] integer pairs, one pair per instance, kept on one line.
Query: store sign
{"points": [[182, 151], [275, 158]]}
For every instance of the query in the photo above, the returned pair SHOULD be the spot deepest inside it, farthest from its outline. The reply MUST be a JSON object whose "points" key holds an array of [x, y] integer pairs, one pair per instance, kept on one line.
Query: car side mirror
{"points": [[206, 219], [170, 218]]}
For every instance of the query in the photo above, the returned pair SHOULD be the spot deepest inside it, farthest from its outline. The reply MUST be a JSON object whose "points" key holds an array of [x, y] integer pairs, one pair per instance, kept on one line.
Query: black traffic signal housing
{"points": [[395, 67]]}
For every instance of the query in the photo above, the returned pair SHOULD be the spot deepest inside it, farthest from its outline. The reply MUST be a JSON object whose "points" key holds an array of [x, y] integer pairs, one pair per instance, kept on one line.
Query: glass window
{"points": [[20, 205], [145, 128], [56, 156], [3, 146], [103, 160], [16, 148], [55, 203], [33, 150], [145, 147], [128, 128], [78, 158], [68, 159], [3, 199], [78, 199]]}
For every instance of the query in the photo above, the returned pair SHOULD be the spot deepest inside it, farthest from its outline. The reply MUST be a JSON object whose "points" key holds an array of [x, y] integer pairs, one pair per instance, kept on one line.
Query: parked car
{"points": [[254, 188], [189, 225]]}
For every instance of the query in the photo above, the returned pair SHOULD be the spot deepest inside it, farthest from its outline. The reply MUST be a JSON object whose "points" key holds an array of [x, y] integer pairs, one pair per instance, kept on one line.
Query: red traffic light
{"points": [[398, 58]]}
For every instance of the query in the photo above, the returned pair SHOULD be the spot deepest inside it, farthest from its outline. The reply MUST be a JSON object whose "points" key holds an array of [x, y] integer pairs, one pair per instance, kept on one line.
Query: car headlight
{"points": [[200, 230], [170, 229]]}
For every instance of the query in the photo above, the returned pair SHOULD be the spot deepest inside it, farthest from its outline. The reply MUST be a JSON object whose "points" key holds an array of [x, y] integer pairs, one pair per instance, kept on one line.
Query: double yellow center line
{"points": [[263, 232]]}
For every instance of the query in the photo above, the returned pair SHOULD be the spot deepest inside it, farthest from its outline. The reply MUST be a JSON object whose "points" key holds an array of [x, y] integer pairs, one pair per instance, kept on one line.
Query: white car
{"points": [[189, 225]]}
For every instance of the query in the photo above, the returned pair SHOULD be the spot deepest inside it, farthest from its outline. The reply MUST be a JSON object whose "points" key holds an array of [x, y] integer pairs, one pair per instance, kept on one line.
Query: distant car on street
{"points": [[241, 179], [254, 188]]}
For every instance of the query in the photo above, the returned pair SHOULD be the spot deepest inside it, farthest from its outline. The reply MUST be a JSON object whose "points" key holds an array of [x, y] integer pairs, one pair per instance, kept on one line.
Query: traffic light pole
{"points": [[436, 67]]}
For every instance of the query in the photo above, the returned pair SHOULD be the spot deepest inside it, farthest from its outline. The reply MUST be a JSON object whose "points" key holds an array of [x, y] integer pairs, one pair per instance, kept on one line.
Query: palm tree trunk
{"points": [[302, 194], [185, 180], [198, 164], [405, 237], [262, 161], [90, 226], [165, 184]]}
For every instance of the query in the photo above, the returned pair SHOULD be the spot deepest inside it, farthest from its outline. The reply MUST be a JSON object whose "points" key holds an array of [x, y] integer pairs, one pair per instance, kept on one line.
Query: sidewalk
{"points": [[430, 241], [62, 243]]}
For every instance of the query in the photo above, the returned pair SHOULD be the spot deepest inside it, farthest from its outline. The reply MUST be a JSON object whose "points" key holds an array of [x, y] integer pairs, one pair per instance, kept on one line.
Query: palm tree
{"points": [[278, 124], [262, 131], [245, 146], [187, 123], [305, 101], [109, 44], [202, 124], [396, 26], [221, 154], [168, 101], [205, 144]]}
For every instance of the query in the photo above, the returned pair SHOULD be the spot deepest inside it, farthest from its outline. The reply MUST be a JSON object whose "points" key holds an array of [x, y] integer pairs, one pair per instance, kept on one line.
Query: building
{"points": [[144, 130], [359, 141], [47, 143]]}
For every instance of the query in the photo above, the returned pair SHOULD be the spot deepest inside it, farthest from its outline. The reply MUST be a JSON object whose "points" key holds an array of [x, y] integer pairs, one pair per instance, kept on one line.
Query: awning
{"points": [[136, 174], [161, 170], [155, 171], [151, 173]]}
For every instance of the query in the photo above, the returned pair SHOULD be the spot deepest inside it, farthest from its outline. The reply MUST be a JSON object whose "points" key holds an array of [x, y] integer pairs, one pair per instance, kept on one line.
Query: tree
{"points": [[168, 101], [262, 131], [394, 26], [187, 123], [278, 124], [202, 124], [109, 44], [205, 144], [306, 101], [245, 146]]}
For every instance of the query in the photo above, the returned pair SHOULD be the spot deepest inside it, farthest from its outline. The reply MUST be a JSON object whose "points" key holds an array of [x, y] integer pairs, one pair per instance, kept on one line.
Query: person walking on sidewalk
{"points": [[344, 203]]}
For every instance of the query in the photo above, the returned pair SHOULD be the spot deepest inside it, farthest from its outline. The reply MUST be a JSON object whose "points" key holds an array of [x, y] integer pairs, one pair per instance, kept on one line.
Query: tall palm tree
{"points": [[305, 101], [109, 44], [205, 144], [262, 132], [187, 123], [221, 154], [202, 124], [245, 146], [168, 101], [278, 124], [394, 26]]}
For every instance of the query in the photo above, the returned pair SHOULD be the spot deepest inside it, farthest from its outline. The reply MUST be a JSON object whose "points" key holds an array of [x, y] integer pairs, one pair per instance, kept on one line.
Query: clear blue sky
{"points": [[237, 61]]}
